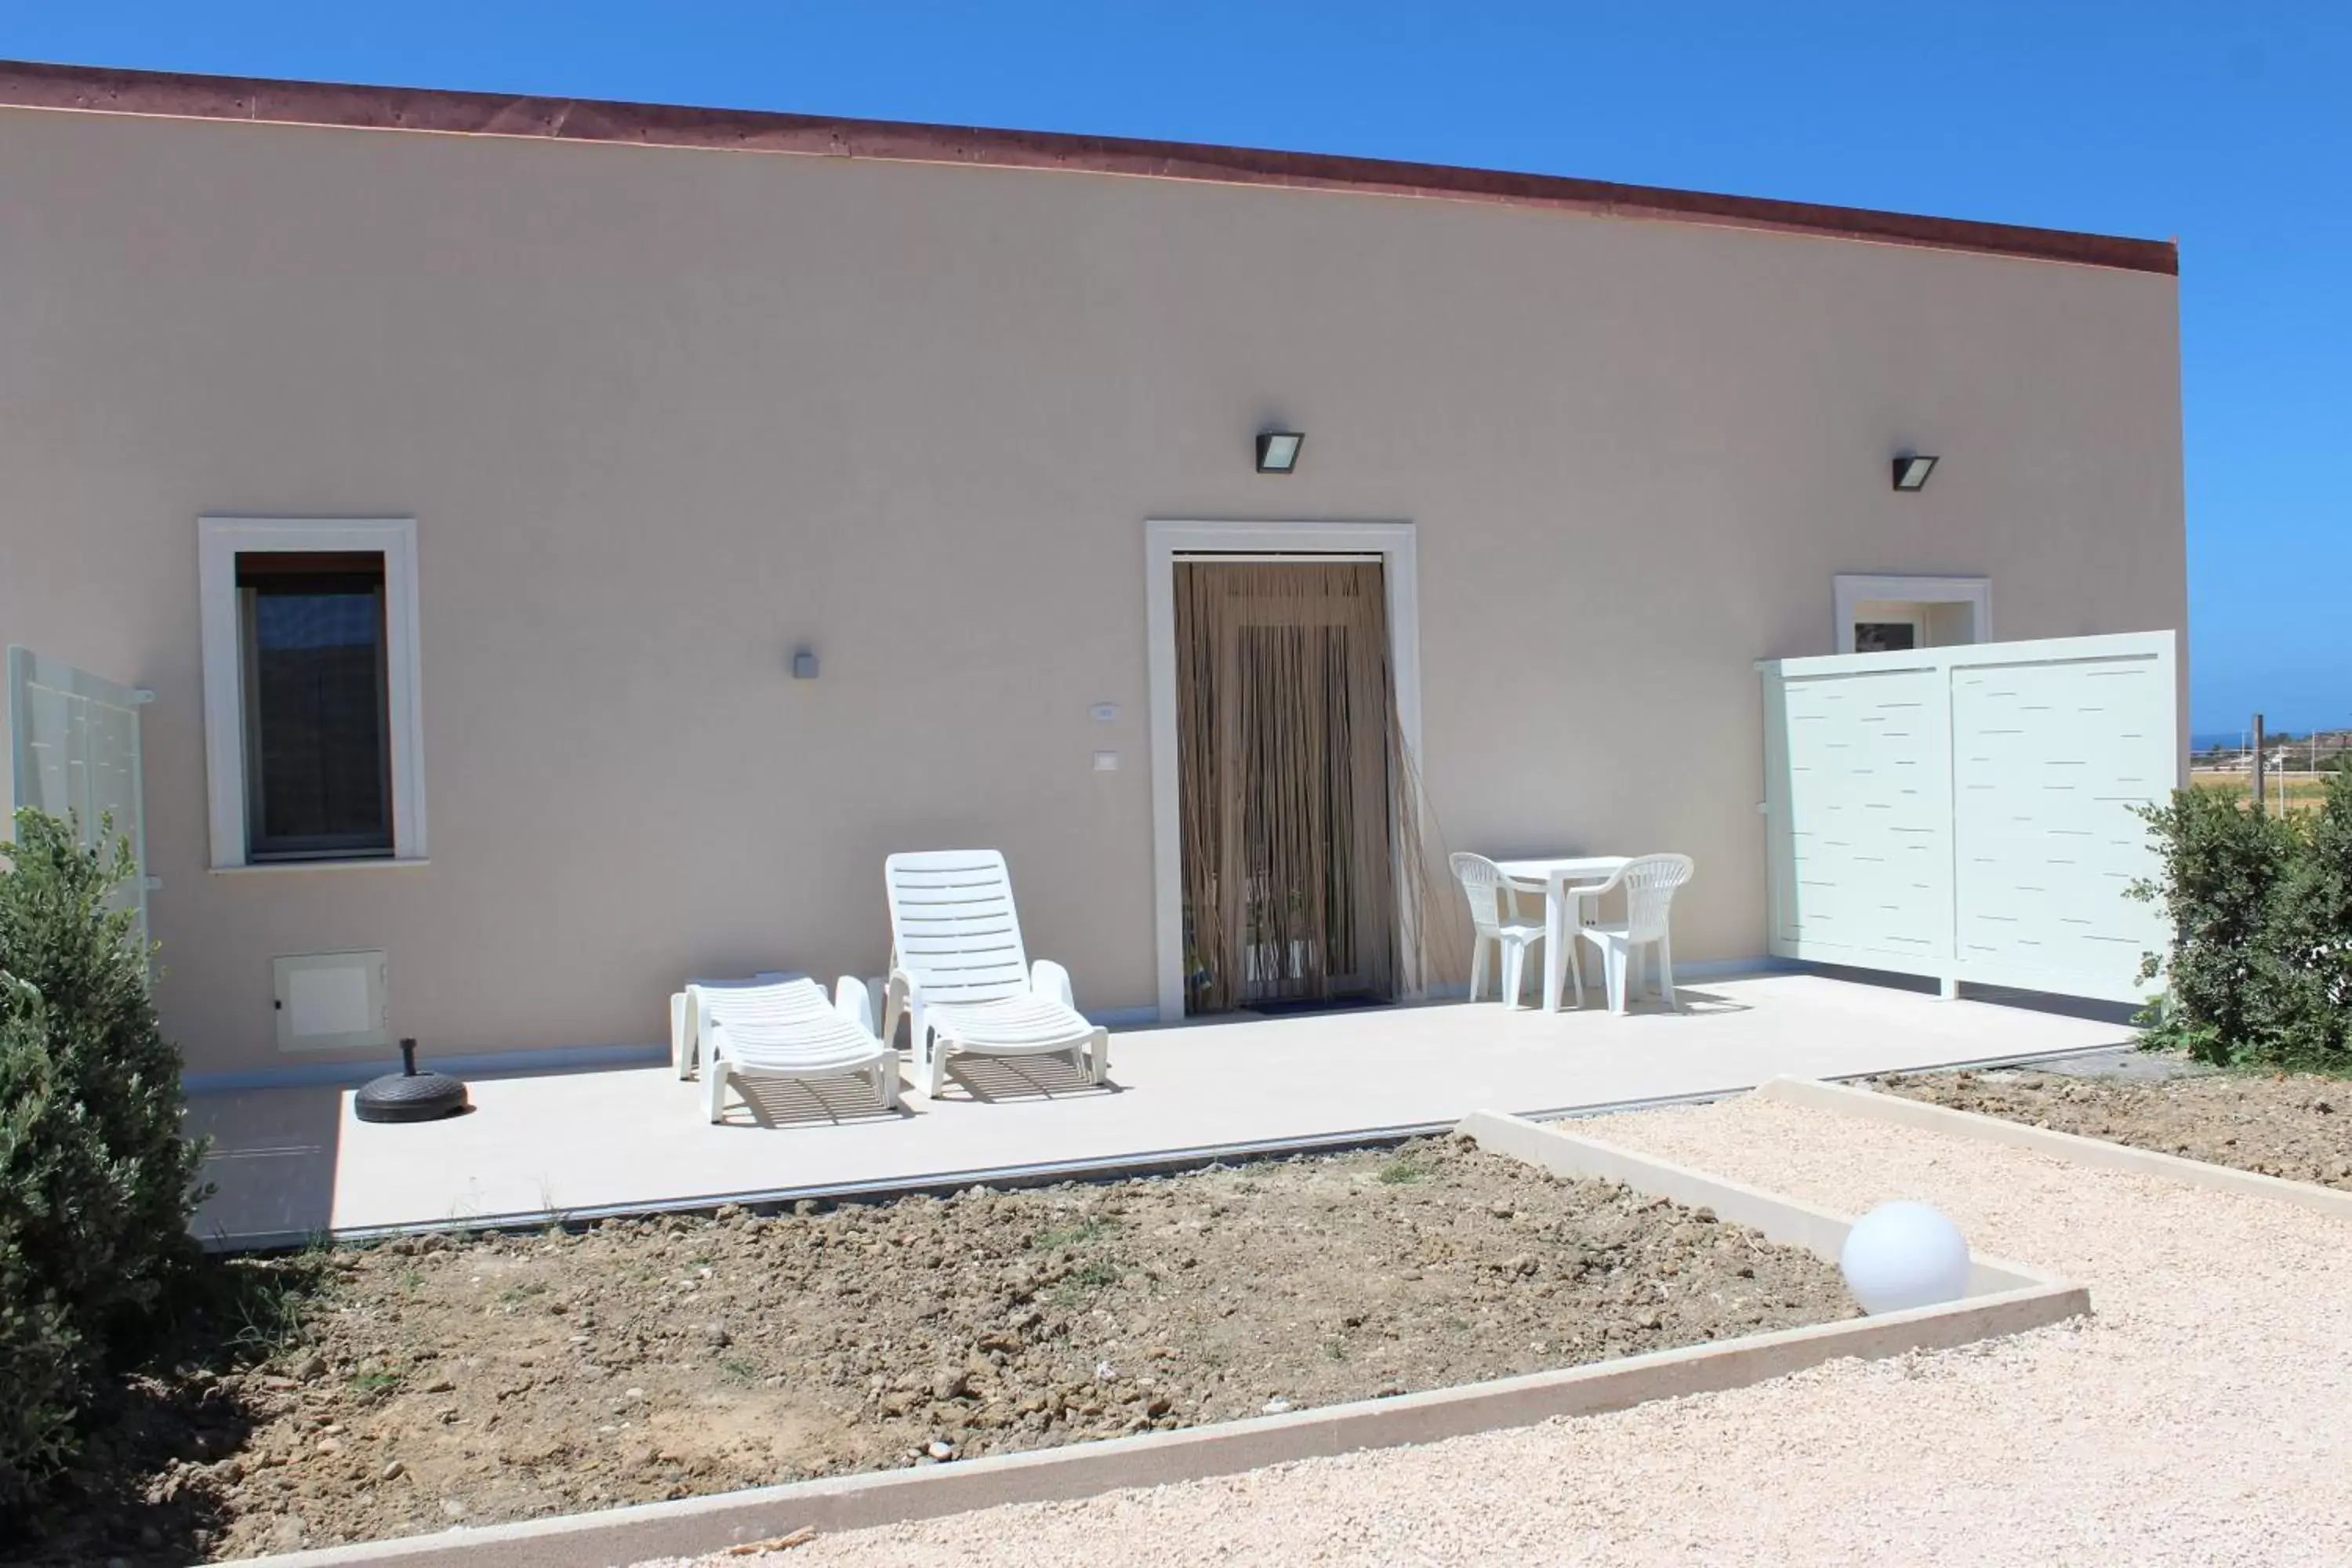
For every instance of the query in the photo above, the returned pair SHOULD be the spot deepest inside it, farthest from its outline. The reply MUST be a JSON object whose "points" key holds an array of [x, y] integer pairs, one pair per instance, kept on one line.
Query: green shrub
{"points": [[40, 1353], [2220, 868], [2310, 941], [96, 1183], [2261, 907]]}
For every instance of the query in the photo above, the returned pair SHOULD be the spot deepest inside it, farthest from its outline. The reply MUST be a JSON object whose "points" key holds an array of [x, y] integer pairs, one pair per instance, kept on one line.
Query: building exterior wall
{"points": [[663, 415]]}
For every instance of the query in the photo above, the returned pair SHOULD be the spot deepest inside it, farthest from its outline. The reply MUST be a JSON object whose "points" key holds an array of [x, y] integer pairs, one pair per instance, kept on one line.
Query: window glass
{"points": [[318, 776], [1884, 637]]}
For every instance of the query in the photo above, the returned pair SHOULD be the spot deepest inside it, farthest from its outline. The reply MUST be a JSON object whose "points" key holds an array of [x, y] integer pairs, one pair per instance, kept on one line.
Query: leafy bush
{"points": [[96, 1183], [2311, 940], [2220, 868], [40, 1353], [2260, 908]]}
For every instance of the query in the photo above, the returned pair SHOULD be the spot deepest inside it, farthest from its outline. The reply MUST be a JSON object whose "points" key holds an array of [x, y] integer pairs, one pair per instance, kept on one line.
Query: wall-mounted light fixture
{"points": [[1278, 451], [1911, 471]]}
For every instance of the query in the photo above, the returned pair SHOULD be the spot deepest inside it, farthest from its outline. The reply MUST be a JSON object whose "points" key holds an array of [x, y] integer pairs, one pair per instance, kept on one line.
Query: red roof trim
{"points": [[107, 90]]}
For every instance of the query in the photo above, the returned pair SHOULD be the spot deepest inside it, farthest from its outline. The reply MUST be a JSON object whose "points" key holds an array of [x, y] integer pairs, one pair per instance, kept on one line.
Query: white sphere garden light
{"points": [[1904, 1255]]}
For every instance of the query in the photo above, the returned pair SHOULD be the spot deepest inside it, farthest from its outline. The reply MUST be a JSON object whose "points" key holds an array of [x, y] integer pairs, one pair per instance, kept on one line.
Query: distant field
{"points": [[2303, 790]]}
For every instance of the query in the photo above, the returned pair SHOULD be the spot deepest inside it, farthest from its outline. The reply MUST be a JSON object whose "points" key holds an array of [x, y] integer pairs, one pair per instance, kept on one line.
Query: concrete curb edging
{"points": [[1901, 1111], [1788, 1221], [2005, 1299]]}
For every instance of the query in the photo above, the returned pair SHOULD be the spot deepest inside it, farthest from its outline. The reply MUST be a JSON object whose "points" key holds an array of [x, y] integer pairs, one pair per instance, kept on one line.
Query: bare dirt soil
{"points": [[441, 1381], [2291, 1124]]}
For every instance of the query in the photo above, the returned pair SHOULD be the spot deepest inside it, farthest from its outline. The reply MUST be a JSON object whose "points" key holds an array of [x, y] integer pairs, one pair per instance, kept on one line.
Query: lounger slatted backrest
{"points": [[953, 924], [785, 1002]]}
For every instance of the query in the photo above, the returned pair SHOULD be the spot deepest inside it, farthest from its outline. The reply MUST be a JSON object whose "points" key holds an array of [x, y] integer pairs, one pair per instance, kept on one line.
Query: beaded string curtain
{"points": [[1296, 802]]}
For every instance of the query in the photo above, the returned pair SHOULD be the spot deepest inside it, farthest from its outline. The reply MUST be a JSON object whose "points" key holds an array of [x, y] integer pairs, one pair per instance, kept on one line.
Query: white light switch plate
{"points": [[1106, 761]]}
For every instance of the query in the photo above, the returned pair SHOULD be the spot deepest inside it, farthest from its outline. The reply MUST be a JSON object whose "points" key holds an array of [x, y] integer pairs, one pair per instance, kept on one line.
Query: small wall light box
{"points": [[1278, 451], [1911, 471], [803, 664]]}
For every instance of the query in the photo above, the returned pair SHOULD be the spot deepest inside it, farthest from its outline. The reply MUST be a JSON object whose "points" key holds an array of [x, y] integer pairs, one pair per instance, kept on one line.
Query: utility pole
{"points": [[2258, 765]]}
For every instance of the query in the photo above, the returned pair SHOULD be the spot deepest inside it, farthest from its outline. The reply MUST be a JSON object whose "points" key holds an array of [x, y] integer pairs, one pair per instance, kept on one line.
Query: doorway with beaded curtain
{"points": [[1287, 754]]}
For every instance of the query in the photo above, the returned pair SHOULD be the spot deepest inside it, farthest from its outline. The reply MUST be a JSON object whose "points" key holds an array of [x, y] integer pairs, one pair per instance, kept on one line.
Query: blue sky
{"points": [[2228, 126]]}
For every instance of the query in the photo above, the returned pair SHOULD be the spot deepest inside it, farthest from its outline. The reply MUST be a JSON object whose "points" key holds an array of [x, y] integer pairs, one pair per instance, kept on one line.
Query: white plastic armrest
{"points": [[902, 995], [698, 1024], [1047, 978], [699, 1004], [1583, 891], [851, 1001]]}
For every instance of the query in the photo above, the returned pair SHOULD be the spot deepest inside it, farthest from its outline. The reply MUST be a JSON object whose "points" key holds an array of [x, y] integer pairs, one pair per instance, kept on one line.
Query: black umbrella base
{"points": [[410, 1095]]}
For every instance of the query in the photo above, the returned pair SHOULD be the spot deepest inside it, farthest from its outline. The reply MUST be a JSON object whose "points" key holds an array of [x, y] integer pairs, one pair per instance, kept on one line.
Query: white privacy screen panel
{"points": [[1966, 812], [73, 740]]}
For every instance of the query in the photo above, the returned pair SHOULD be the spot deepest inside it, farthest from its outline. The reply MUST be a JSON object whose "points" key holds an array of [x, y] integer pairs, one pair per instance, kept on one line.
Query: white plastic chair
{"points": [[789, 1030], [1649, 881], [1495, 922], [959, 974]]}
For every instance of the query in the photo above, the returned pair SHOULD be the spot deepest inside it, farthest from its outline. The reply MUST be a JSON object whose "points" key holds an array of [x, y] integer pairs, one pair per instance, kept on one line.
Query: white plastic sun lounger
{"points": [[959, 974], [789, 1031]]}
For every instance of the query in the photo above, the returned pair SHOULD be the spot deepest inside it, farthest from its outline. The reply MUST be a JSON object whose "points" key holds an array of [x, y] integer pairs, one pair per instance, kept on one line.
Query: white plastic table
{"points": [[1565, 879]]}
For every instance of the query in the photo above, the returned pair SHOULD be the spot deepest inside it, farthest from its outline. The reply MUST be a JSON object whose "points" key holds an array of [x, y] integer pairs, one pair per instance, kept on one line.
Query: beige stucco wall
{"points": [[662, 414]]}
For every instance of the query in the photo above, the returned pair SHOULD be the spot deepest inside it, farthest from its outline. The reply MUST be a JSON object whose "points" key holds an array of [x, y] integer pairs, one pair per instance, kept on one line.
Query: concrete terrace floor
{"points": [[291, 1164]]}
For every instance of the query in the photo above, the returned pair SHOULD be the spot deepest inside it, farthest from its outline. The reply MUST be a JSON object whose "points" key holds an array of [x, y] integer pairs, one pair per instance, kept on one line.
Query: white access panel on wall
{"points": [[1966, 813], [329, 1001], [73, 745]]}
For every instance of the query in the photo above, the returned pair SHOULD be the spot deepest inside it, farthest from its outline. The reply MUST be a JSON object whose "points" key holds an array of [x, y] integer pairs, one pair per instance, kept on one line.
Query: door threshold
{"points": [[1305, 1006]]}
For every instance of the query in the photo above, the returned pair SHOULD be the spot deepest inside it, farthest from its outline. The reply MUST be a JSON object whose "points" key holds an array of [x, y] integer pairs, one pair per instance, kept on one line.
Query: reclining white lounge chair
{"points": [[788, 1030], [959, 974]]}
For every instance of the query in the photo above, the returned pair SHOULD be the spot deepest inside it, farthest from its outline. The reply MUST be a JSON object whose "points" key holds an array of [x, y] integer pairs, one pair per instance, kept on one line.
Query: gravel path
{"points": [[2203, 1415]]}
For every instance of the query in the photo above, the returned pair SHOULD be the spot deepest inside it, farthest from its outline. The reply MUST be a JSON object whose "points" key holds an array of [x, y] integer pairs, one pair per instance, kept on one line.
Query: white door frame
{"points": [[1164, 540]]}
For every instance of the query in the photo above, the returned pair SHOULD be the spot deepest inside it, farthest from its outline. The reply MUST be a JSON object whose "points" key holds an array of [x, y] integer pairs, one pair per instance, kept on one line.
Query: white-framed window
{"points": [[1895, 615], [313, 738]]}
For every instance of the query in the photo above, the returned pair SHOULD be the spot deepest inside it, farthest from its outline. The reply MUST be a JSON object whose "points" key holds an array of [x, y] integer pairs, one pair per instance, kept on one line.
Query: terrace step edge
{"points": [[1149, 1162]]}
